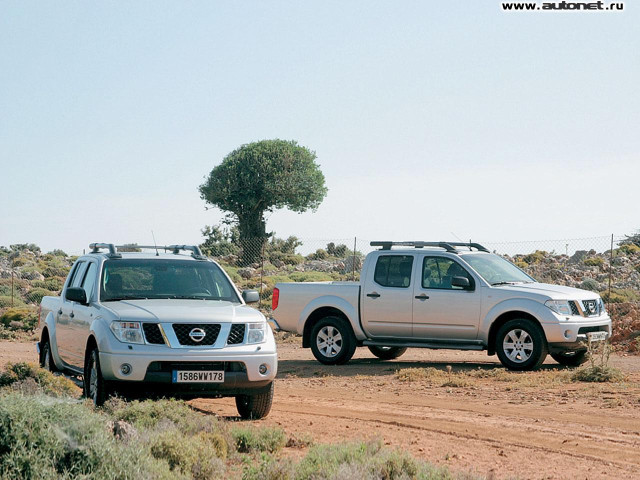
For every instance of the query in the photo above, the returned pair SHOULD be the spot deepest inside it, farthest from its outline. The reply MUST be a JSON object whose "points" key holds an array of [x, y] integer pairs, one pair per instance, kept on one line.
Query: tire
{"points": [[46, 358], [387, 353], [94, 386], [255, 407], [570, 359], [521, 345], [332, 341]]}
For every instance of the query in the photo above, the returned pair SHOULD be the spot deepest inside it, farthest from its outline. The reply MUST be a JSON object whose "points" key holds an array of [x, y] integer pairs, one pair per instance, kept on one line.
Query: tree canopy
{"points": [[261, 177]]}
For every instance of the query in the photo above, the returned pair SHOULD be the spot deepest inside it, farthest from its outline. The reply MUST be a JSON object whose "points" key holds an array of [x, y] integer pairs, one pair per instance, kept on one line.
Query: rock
{"points": [[122, 430], [578, 257], [31, 276], [247, 272], [350, 263], [278, 263]]}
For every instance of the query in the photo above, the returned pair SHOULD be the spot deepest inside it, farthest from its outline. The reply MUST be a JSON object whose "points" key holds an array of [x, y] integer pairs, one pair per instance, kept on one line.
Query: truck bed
{"points": [[299, 300]]}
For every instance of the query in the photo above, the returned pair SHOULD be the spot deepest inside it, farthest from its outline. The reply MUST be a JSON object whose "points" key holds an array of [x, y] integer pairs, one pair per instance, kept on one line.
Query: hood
{"points": [[551, 292], [183, 311]]}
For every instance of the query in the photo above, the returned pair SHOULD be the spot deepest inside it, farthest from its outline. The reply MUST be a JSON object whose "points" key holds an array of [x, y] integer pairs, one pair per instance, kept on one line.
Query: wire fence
{"points": [[608, 264]]}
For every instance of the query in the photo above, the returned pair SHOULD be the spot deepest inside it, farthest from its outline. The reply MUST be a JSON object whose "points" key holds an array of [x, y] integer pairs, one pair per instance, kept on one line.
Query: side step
{"points": [[475, 345]]}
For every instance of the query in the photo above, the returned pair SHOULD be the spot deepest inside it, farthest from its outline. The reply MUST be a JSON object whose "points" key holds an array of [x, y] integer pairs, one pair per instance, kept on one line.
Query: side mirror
{"points": [[250, 296], [76, 294], [462, 282]]}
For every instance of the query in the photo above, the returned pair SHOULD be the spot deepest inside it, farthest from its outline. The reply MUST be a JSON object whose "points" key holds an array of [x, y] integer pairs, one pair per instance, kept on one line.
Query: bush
{"points": [[54, 271], [197, 456], [35, 295], [265, 439], [286, 258], [594, 262], [598, 373], [27, 317], [620, 295], [629, 249], [53, 284], [589, 284], [310, 277], [535, 257], [6, 301], [50, 384], [319, 254], [354, 460], [50, 439], [148, 414]]}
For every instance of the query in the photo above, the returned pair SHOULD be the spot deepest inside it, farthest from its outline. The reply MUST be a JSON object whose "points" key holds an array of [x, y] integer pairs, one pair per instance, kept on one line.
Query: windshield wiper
{"points": [[117, 299], [504, 283]]}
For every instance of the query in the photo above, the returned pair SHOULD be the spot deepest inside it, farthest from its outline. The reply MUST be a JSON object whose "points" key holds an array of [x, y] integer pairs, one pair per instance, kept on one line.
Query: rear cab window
{"points": [[394, 271]]}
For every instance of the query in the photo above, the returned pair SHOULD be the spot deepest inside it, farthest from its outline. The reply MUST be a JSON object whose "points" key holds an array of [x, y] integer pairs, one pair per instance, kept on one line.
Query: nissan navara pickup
{"points": [[442, 295], [171, 323]]}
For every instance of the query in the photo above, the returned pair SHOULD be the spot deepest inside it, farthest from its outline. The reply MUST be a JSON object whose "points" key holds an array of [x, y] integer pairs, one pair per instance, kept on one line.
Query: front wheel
{"points": [[333, 341], [521, 345], [255, 407], [94, 385], [570, 359], [387, 353]]}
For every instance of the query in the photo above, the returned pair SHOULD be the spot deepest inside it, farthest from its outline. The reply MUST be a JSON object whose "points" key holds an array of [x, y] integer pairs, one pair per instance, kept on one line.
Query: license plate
{"points": [[597, 336], [207, 376]]}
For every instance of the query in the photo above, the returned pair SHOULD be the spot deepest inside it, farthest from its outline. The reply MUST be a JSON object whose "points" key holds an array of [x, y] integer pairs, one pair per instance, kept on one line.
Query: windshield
{"points": [[131, 279], [496, 270]]}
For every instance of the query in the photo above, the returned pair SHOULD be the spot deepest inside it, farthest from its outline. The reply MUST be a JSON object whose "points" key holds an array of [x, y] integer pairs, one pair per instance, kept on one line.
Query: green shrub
{"points": [[265, 439], [535, 257], [147, 414], [35, 295], [319, 254], [310, 277], [27, 317], [6, 301], [355, 460], [53, 271], [286, 258], [50, 384], [45, 438], [589, 284], [521, 264], [594, 262], [598, 373], [629, 249], [233, 273], [53, 284], [620, 295], [197, 456]]}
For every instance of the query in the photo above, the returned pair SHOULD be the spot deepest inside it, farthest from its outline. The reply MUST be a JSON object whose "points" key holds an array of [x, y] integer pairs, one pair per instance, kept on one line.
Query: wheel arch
{"points": [[317, 315], [504, 318]]}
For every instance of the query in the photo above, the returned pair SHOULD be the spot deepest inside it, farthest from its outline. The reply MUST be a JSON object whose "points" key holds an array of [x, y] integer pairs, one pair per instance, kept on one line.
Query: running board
{"points": [[435, 345]]}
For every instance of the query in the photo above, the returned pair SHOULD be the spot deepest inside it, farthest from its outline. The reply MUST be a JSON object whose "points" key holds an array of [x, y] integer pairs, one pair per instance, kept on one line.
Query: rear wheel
{"points": [[255, 407], [46, 359], [387, 353], [521, 345], [333, 341], [570, 359], [94, 385]]}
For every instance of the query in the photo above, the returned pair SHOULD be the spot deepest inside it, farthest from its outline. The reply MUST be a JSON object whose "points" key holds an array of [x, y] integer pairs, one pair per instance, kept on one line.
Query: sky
{"points": [[429, 119]]}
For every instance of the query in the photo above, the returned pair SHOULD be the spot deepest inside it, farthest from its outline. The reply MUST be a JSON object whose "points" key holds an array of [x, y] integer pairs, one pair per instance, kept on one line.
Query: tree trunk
{"points": [[252, 237]]}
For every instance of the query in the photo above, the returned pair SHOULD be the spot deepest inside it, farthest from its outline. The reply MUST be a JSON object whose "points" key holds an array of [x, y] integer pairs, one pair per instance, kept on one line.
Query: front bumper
{"points": [[571, 332]]}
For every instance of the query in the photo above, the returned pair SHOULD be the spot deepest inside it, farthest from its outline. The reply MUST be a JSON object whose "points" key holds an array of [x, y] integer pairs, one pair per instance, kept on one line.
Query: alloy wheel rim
{"points": [[93, 382], [329, 341], [518, 345]]}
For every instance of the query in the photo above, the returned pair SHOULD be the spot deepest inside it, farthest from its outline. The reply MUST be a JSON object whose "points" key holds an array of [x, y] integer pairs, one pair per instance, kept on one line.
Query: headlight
{"points": [[127, 332], [561, 307], [257, 332]]}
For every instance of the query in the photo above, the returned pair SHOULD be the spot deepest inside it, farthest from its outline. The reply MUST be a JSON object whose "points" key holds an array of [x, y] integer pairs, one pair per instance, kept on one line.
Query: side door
{"points": [[65, 314], [442, 310], [82, 317], [387, 297]]}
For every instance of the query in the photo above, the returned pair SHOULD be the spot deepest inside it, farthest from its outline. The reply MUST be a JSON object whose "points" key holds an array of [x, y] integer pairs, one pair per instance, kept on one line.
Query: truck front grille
{"points": [[185, 331], [152, 333], [590, 308], [574, 308], [236, 335]]}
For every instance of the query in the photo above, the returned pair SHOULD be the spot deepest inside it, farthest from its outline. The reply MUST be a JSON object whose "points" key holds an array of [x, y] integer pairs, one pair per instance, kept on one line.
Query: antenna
{"points": [[155, 244]]}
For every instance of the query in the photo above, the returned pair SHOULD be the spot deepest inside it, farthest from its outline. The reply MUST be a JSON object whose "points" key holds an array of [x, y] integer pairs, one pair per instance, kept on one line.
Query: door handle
{"points": [[71, 315], [422, 297], [60, 312], [373, 295]]}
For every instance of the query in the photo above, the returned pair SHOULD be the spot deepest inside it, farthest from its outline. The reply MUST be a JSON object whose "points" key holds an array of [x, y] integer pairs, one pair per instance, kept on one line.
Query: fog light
{"points": [[263, 369], [567, 334], [125, 369]]}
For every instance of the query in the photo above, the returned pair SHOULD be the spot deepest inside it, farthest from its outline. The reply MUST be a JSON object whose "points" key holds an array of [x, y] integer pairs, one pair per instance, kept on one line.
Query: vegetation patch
{"points": [[31, 378]]}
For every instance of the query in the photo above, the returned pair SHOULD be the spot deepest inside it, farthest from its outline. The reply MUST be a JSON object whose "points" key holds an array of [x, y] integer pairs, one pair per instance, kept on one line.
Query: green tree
{"points": [[261, 177]]}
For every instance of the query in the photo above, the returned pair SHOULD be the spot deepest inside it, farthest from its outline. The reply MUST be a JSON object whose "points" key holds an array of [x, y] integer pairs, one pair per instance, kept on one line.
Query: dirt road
{"points": [[532, 427], [528, 430]]}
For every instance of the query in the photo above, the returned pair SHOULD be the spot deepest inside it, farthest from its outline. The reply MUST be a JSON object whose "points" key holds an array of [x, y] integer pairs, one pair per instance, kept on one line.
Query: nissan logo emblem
{"points": [[197, 334]]}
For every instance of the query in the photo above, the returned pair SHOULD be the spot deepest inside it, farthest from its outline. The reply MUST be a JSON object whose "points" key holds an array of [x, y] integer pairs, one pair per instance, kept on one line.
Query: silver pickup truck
{"points": [[171, 323], [442, 295]]}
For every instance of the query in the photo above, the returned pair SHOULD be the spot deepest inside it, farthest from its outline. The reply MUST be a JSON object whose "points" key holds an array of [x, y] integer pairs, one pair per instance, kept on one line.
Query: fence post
{"points": [[610, 267], [261, 273], [12, 274], [353, 272]]}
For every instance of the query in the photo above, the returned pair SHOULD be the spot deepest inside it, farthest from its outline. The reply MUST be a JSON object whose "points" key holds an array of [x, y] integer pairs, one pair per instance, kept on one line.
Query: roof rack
{"points": [[95, 248], [175, 249], [448, 246]]}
